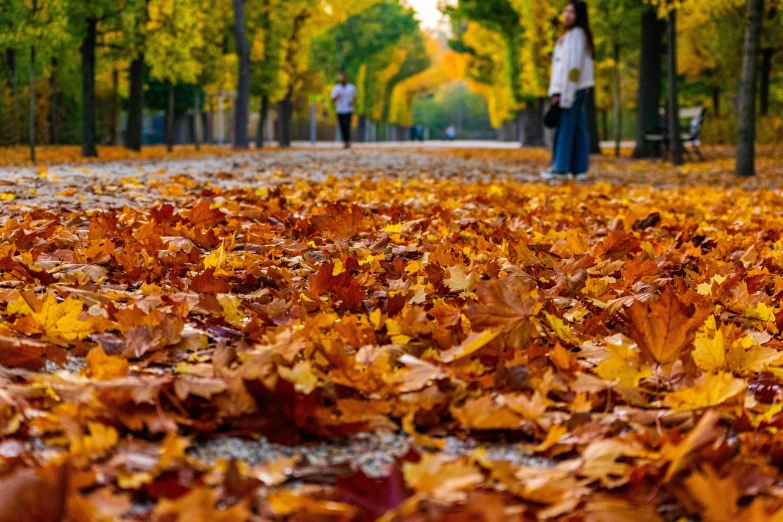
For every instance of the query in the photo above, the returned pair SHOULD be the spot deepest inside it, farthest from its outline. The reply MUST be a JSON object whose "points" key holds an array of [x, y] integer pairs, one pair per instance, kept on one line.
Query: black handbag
{"points": [[552, 116]]}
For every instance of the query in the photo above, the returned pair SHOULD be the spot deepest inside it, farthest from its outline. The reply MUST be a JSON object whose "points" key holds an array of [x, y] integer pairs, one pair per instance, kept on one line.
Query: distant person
{"points": [[451, 133], [344, 96], [572, 76]]}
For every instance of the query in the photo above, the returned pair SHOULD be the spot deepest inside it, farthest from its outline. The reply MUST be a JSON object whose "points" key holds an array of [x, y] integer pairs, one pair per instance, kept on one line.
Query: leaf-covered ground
{"points": [[330, 336]]}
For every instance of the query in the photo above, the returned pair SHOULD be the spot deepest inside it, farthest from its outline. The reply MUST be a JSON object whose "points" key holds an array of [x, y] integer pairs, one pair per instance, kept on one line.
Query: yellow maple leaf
{"points": [[301, 376], [762, 312], [474, 342], [623, 364], [709, 352], [742, 360], [460, 281], [338, 268], [562, 330], [231, 311], [58, 322], [437, 477], [216, 258], [708, 390]]}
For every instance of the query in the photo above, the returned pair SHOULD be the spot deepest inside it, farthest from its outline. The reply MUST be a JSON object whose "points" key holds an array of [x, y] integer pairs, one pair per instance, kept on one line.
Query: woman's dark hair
{"points": [[583, 21]]}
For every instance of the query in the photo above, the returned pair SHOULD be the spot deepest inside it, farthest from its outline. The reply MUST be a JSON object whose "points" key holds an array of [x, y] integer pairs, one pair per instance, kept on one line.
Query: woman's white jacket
{"points": [[572, 67]]}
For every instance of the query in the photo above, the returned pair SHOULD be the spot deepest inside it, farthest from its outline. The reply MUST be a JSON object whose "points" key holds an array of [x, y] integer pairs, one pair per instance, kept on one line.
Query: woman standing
{"points": [[572, 76]]}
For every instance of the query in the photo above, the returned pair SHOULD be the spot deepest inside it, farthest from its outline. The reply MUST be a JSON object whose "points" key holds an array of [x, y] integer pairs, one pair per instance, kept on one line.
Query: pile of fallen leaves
{"points": [[59, 154], [626, 339]]}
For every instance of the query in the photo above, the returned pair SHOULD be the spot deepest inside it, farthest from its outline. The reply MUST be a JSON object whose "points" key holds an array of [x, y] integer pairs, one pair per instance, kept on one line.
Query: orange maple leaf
{"points": [[664, 329]]}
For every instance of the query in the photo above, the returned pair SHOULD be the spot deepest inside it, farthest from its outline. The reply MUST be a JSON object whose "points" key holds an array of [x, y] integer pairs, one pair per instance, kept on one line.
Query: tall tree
{"points": [[746, 150], [673, 110], [647, 117], [242, 104], [137, 35]]}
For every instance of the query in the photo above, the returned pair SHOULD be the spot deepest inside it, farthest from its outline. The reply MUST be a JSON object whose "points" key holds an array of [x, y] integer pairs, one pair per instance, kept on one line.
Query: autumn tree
{"points": [[36, 26], [746, 153], [175, 47]]}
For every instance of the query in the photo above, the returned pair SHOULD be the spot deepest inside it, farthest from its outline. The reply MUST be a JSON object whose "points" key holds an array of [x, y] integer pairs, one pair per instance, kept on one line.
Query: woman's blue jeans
{"points": [[571, 151]]}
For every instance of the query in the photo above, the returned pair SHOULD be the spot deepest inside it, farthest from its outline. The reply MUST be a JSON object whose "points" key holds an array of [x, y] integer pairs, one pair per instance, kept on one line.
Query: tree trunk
{"points": [[114, 104], [361, 130], [54, 105], [170, 116], [716, 100], [89, 149], [648, 119], [766, 72], [133, 132], [747, 99], [532, 124], [32, 104], [242, 103], [673, 114], [284, 122], [618, 131], [10, 56], [592, 122], [262, 115], [196, 116]]}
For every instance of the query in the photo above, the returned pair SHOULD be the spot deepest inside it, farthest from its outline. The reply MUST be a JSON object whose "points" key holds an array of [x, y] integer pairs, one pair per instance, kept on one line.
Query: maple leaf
{"points": [[341, 220], [708, 390], [58, 322], [474, 342], [709, 352], [441, 478], [206, 283], [486, 413], [101, 366], [623, 364], [506, 304], [718, 496], [198, 505], [664, 329], [204, 216], [616, 508], [460, 281], [29, 353]]}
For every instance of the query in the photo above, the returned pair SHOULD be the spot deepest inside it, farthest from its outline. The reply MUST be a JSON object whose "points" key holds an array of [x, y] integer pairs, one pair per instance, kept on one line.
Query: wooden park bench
{"points": [[690, 133]]}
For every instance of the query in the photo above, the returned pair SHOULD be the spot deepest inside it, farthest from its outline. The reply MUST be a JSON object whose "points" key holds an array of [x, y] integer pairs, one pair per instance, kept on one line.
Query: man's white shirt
{"points": [[347, 95]]}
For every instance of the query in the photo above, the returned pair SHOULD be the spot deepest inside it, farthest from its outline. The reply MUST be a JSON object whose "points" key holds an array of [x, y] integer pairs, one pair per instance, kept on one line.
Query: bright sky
{"points": [[427, 12]]}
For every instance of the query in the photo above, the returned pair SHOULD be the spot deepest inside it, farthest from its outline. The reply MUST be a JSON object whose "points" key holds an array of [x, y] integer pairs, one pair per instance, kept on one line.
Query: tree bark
{"points": [[114, 104], [170, 116], [747, 99], [673, 114], [10, 56], [766, 73], [648, 119], [196, 116], [242, 104], [262, 115], [89, 149], [133, 132], [54, 105], [361, 129], [592, 122], [532, 124], [618, 131], [284, 122], [32, 105]]}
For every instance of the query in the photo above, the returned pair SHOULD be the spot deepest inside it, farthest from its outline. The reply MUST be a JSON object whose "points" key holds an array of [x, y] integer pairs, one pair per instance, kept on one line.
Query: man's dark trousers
{"points": [[345, 127]]}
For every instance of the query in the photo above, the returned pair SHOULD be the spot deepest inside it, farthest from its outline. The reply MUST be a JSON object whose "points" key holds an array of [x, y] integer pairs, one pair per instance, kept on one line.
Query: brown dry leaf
{"points": [[506, 304], [664, 329], [680, 455], [199, 505], [33, 494]]}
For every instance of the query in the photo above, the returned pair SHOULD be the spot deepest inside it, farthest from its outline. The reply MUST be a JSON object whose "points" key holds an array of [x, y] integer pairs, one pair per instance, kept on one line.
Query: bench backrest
{"points": [[696, 117]]}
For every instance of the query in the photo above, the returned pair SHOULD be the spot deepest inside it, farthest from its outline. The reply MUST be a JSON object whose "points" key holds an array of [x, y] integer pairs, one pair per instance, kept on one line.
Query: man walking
{"points": [[344, 96]]}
